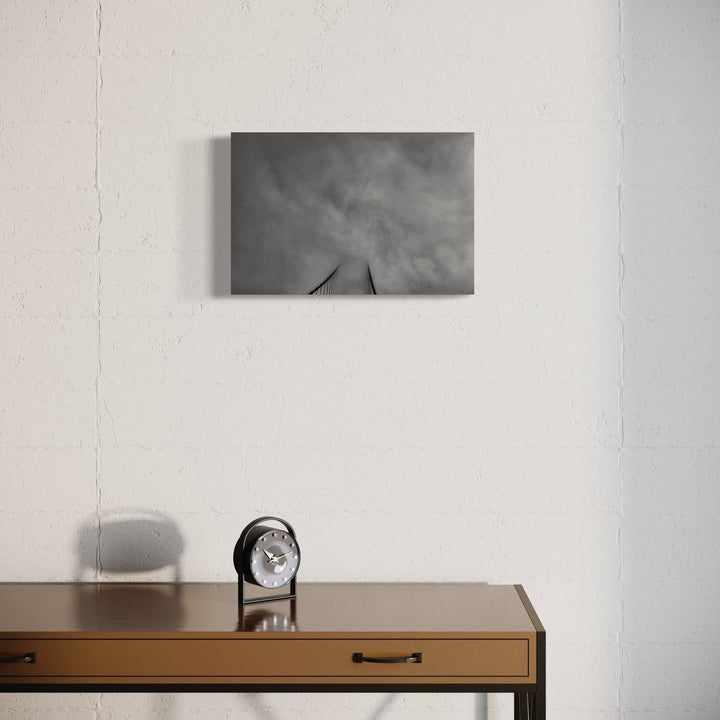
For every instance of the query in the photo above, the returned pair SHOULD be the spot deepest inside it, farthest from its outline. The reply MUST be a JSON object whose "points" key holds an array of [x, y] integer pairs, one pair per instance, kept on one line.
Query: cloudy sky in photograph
{"points": [[302, 203]]}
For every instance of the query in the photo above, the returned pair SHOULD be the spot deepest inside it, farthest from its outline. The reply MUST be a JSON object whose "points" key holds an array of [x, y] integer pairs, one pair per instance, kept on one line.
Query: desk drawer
{"points": [[263, 659]]}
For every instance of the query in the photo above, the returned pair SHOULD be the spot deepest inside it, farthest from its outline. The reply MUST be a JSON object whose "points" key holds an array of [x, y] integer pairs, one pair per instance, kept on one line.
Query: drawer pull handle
{"points": [[414, 658], [26, 658]]}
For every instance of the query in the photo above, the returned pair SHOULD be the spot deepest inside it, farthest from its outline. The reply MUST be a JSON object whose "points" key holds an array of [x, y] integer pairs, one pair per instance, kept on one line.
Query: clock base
{"points": [[244, 599]]}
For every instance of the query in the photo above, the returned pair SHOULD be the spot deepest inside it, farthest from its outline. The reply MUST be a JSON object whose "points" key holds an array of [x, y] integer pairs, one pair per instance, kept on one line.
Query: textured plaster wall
{"points": [[556, 429]]}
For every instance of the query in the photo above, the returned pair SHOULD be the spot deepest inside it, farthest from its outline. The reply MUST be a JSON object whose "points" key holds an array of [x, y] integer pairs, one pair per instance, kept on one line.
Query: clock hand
{"points": [[274, 558]]}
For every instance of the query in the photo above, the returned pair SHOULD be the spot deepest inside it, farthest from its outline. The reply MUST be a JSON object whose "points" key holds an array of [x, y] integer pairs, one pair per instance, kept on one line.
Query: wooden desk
{"points": [[332, 637]]}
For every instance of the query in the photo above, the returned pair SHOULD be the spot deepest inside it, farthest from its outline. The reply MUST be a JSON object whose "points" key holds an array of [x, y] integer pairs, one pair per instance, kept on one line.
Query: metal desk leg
{"points": [[524, 706], [530, 706]]}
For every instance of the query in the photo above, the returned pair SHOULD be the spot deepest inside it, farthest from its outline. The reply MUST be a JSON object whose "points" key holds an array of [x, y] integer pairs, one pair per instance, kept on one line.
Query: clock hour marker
{"points": [[274, 534]]}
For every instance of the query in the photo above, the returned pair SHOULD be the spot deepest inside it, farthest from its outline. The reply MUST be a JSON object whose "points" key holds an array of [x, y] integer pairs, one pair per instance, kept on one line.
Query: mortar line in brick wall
{"points": [[621, 393], [98, 488]]}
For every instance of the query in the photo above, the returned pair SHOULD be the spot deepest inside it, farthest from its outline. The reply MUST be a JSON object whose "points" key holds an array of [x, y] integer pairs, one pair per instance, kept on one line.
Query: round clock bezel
{"points": [[250, 538], [253, 547]]}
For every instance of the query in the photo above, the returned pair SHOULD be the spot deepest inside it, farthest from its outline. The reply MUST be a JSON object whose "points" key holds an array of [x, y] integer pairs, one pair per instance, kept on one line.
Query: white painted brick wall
{"points": [[561, 421]]}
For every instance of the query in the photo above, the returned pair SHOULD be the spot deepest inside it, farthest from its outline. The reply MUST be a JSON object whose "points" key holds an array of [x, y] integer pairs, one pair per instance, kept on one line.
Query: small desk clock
{"points": [[268, 557]]}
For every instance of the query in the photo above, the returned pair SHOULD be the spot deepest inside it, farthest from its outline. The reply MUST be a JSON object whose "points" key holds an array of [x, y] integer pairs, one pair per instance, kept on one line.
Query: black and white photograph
{"points": [[352, 213]]}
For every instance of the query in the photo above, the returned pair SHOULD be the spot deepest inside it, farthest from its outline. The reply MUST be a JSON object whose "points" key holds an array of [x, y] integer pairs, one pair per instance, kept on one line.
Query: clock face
{"points": [[273, 559]]}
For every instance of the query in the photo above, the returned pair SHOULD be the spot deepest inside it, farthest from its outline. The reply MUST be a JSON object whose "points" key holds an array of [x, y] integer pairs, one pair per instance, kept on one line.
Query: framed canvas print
{"points": [[352, 213]]}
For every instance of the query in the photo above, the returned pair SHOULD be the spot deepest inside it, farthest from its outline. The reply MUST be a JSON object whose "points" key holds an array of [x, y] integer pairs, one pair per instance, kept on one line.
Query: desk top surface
{"points": [[319, 608]]}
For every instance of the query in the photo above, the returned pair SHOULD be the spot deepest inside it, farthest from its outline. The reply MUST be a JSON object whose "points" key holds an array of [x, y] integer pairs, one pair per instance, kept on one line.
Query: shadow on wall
{"points": [[123, 542], [220, 209], [262, 707], [670, 461], [203, 219]]}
